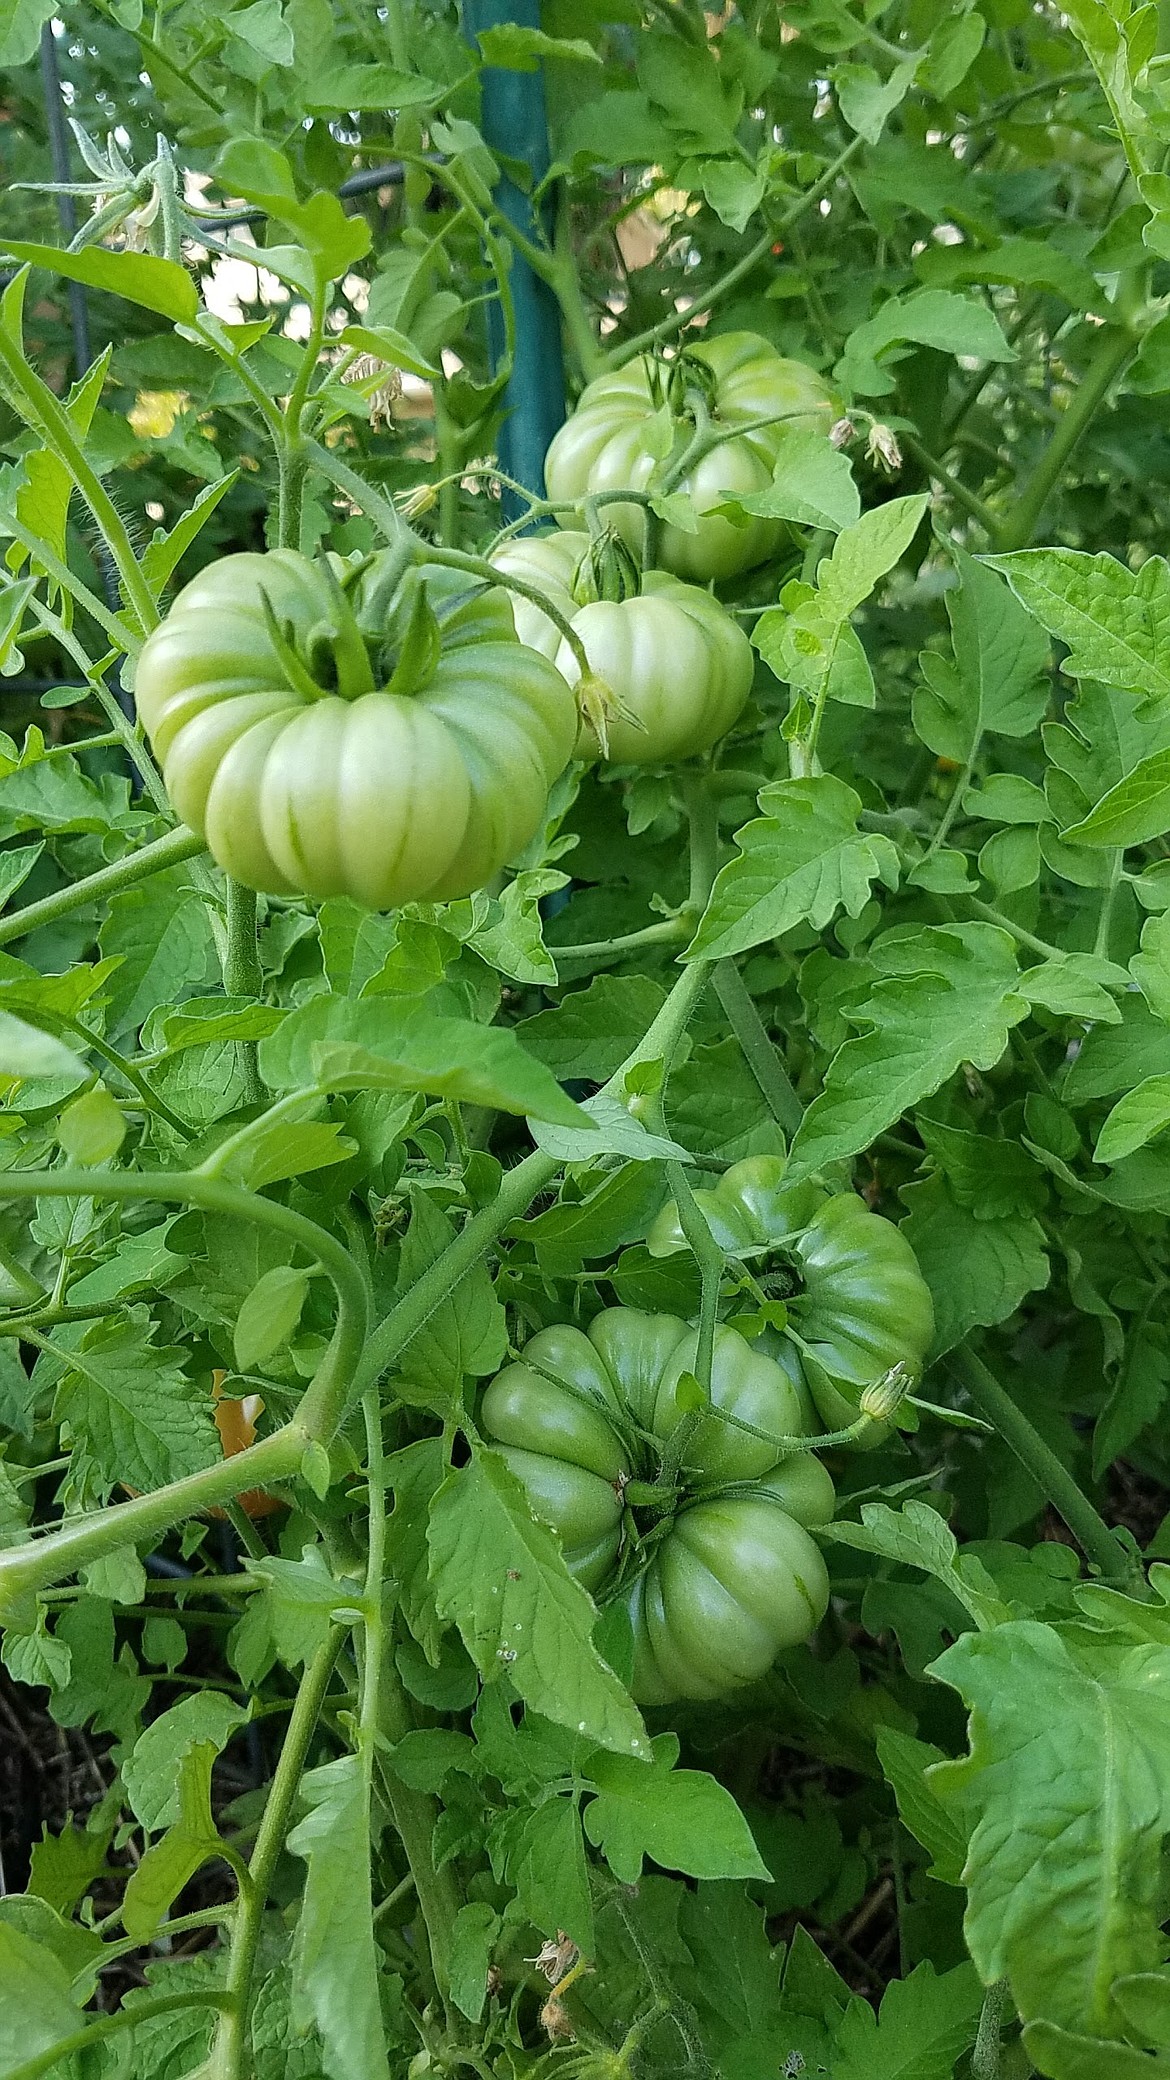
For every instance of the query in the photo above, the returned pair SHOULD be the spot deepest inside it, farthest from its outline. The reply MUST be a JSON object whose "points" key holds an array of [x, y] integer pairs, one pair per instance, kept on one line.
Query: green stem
{"points": [[985, 2058], [956, 799], [242, 975], [762, 1058], [446, 442], [245, 1530], [479, 567], [112, 2025], [38, 1563], [48, 1318], [1090, 1530], [178, 1925], [668, 328], [269, 412], [70, 583], [969, 500], [703, 826], [229, 2059], [671, 932], [20, 1277], [1108, 898], [566, 285], [1115, 347], [374, 1596], [48, 416], [126, 1068], [291, 464], [380, 510], [1017, 931], [517, 1191], [124, 731], [299, 394], [138, 866], [710, 1260], [414, 1814]]}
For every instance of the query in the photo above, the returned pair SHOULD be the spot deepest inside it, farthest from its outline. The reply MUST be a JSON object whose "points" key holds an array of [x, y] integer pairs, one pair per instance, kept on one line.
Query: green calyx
{"points": [[392, 641], [607, 570], [413, 641], [690, 379]]}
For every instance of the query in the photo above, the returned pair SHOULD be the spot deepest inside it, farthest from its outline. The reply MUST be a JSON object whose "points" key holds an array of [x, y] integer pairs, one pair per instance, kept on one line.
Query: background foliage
{"points": [[935, 959]]}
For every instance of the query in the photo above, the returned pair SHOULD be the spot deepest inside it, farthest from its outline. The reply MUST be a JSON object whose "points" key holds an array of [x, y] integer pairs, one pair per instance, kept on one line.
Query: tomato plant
{"points": [[584, 1040]]}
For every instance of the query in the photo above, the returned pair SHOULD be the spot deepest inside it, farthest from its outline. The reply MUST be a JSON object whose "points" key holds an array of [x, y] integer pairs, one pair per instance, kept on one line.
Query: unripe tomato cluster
{"points": [[735, 389], [329, 736], [696, 1519], [693, 1511]]}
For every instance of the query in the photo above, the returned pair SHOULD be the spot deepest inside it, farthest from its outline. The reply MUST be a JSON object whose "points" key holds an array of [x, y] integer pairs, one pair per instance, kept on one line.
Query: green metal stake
{"points": [[515, 129]]}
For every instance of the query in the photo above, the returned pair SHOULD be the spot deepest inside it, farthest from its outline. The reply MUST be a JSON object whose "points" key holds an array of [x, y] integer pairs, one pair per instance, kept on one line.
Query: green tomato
{"points": [[584, 1510], [803, 1487], [609, 444], [860, 1304], [864, 1306], [680, 666], [731, 1575], [331, 748], [751, 1209], [736, 1582]]}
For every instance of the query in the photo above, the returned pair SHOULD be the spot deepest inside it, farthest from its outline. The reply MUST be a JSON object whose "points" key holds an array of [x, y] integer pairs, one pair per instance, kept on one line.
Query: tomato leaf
{"points": [[498, 1572], [681, 1818], [157, 285], [335, 1960], [376, 1044], [803, 860]]}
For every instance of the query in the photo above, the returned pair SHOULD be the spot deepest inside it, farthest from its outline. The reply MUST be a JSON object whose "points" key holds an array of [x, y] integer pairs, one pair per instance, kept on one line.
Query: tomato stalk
{"points": [[669, 328], [762, 1057], [168, 851], [671, 931], [47, 416], [985, 2058], [72, 586], [1092, 1534], [230, 2051], [414, 1814], [479, 567], [710, 1260], [97, 2031], [1116, 346], [242, 976]]}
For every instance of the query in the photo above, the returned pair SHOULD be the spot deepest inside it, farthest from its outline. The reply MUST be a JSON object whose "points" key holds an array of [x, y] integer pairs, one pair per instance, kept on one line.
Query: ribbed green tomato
{"points": [[680, 666], [728, 1575], [860, 1304], [735, 1583], [329, 748], [608, 444]]}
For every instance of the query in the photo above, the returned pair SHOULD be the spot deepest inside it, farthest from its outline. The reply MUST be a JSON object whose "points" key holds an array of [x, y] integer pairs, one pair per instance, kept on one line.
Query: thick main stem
{"points": [[242, 975], [229, 2059], [1090, 1530], [1115, 347]]}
